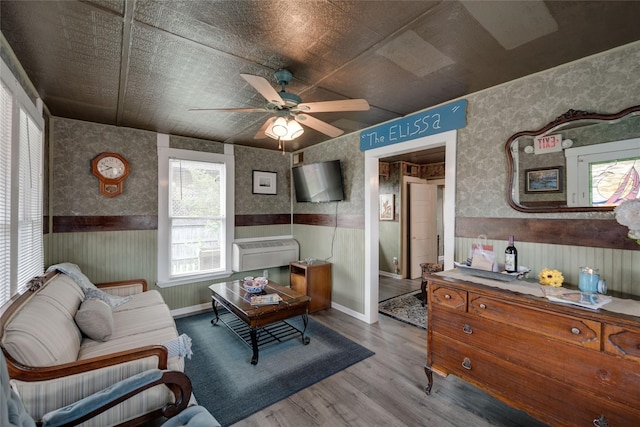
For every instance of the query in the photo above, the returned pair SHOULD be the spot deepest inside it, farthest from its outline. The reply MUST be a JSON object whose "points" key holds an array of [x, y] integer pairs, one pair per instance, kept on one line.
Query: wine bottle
{"points": [[511, 257]]}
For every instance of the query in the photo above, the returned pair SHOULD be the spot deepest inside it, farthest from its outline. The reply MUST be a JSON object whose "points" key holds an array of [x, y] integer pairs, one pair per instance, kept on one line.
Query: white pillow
{"points": [[95, 319]]}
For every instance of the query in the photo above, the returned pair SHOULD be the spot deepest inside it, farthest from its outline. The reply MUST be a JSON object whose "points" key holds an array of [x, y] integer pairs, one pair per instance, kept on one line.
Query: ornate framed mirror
{"points": [[579, 162]]}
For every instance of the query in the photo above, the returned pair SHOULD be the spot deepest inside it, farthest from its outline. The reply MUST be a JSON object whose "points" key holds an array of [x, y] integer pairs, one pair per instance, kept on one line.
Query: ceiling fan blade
{"points": [[331, 106], [261, 132], [231, 110], [264, 87], [318, 125]]}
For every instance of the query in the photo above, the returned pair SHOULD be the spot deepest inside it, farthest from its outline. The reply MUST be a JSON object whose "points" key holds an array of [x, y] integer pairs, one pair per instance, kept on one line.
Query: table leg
{"points": [[215, 310], [305, 321], [423, 288], [254, 345], [427, 388]]}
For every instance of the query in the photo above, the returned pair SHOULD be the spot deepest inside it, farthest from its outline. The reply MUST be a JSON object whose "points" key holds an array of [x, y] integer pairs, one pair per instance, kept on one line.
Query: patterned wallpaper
{"points": [[604, 83], [76, 189], [347, 149], [250, 159]]}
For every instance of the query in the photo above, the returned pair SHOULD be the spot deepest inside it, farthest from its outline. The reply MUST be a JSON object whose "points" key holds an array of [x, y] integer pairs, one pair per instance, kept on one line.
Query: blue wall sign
{"points": [[430, 122]]}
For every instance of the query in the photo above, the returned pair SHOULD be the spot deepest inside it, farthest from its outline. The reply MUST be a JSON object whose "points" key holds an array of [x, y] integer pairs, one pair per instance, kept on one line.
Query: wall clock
{"points": [[111, 169]]}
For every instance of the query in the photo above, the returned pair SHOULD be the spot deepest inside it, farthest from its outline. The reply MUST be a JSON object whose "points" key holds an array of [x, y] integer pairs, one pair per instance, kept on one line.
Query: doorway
{"points": [[371, 232]]}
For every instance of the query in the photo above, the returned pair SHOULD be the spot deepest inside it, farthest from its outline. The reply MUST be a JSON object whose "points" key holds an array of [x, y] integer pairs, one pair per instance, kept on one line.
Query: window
{"points": [[603, 174], [21, 242], [195, 214]]}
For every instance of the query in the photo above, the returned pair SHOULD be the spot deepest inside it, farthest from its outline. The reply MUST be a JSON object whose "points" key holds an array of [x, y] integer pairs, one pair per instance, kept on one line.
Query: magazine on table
{"points": [[574, 297], [265, 299]]}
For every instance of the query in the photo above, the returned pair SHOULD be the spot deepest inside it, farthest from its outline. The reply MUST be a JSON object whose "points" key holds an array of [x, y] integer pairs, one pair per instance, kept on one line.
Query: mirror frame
{"points": [[568, 117]]}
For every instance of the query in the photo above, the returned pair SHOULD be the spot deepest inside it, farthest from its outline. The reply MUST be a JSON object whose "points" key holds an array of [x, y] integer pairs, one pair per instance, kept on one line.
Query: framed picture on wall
{"points": [[265, 182], [387, 207], [546, 180]]}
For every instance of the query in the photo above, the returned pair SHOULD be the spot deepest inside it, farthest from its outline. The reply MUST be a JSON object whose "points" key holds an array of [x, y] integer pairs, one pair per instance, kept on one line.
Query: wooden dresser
{"points": [[564, 365]]}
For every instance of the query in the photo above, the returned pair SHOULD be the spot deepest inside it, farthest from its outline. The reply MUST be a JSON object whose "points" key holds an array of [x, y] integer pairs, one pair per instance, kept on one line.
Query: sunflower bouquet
{"points": [[550, 277]]}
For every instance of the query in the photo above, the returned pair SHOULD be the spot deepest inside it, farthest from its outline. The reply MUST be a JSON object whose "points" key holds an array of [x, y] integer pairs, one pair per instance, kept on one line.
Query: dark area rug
{"points": [[406, 308], [225, 382]]}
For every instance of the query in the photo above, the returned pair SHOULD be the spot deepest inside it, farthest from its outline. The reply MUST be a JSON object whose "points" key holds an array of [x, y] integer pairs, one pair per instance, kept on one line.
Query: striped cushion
{"points": [[42, 334], [145, 299], [64, 292], [43, 396]]}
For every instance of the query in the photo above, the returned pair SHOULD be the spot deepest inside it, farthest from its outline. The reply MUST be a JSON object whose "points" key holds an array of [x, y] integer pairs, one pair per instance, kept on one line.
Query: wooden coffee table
{"points": [[259, 325]]}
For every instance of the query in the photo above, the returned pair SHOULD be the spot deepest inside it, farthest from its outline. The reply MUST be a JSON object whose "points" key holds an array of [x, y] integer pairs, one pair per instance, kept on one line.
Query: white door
{"points": [[423, 226]]}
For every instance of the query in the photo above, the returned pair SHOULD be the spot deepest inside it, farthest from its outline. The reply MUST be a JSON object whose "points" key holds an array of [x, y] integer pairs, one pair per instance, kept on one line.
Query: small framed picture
{"points": [[265, 182], [546, 180], [387, 208]]}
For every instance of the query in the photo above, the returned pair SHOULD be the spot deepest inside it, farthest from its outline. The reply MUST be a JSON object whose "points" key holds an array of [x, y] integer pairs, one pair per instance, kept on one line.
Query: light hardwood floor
{"points": [[387, 389]]}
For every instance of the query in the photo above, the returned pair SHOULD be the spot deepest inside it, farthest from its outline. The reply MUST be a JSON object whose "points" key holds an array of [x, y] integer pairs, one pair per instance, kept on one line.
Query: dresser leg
{"points": [[427, 388]]}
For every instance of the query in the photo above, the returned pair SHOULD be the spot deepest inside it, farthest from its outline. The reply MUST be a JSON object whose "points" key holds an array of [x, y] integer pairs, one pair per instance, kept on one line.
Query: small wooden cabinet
{"points": [[563, 365], [314, 280]]}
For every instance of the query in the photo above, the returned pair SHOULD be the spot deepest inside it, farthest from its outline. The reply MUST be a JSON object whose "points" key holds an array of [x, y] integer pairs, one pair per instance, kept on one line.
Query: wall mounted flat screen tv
{"points": [[318, 182]]}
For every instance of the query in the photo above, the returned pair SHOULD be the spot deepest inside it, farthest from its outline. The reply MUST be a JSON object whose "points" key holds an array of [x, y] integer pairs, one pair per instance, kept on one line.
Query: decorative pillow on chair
{"points": [[112, 300], [95, 319]]}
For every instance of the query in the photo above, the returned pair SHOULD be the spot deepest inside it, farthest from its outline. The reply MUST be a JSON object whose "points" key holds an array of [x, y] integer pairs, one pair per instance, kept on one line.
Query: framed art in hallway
{"points": [[387, 207]]}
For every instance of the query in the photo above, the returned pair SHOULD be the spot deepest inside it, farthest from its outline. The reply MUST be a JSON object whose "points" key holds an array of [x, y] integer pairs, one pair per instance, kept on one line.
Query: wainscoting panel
{"points": [[120, 255], [107, 256], [620, 268], [347, 259]]}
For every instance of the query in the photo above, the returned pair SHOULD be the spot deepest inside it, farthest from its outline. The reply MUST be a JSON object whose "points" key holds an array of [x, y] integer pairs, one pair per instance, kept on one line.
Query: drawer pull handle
{"points": [[466, 363], [467, 329], [447, 296], [600, 422], [483, 306], [575, 331]]}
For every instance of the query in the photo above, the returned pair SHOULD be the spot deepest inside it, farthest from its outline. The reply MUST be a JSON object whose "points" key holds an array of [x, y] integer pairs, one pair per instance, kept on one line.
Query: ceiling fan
{"points": [[289, 110]]}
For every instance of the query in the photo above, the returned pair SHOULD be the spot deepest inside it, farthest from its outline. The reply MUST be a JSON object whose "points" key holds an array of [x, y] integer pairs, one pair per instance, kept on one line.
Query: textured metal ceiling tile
{"points": [[144, 64]]}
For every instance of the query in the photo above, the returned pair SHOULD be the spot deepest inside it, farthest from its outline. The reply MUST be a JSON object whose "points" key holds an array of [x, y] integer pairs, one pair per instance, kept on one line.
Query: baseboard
{"points": [[201, 308], [189, 311], [349, 312], [387, 274]]}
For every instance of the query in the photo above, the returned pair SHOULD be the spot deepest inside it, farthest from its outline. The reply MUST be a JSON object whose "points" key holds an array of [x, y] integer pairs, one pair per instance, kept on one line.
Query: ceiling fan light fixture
{"points": [[295, 130], [279, 127]]}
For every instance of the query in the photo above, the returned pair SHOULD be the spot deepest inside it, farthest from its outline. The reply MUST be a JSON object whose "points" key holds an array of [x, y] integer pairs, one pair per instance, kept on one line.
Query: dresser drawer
{"points": [[588, 370], [445, 296], [574, 330], [547, 399], [622, 341]]}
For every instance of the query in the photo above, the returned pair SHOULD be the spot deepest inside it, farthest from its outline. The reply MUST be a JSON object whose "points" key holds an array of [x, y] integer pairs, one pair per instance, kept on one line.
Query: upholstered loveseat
{"points": [[65, 339]]}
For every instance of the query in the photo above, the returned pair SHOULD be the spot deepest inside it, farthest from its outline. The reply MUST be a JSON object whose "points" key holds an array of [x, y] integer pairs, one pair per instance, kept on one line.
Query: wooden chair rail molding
{"points": [[601, 233]]}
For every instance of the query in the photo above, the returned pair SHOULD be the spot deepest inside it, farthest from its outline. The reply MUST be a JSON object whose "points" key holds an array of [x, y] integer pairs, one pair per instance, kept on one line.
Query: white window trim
{"points": [[35, 112], [164, 154], [578, 159]]}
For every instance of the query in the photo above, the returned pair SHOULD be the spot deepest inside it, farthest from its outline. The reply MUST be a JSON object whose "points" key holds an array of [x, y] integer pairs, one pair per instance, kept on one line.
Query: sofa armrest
{"points": [[124, 288], [28, 373]]}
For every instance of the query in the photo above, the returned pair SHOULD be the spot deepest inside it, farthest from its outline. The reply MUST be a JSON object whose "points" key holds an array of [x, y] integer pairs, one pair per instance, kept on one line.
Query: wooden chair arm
{"points": [[22, 372], [177, 382], [143, 282]]}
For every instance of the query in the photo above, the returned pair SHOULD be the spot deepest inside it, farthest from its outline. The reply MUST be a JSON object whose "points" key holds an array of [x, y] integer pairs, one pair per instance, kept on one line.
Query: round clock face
{"points": [[111, 167]]}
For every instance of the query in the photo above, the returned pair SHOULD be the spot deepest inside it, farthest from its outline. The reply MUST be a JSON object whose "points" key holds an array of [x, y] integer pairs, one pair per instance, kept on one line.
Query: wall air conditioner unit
{"points": [[259, 254]]}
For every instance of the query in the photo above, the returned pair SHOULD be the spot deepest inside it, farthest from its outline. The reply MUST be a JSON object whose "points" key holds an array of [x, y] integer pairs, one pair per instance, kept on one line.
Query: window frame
{"points": [[165, 154], [16, 273], [578, 159]]}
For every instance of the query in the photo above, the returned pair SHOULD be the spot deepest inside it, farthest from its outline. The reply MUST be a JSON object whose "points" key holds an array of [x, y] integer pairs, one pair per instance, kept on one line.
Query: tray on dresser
{"points": [[502, 276]]}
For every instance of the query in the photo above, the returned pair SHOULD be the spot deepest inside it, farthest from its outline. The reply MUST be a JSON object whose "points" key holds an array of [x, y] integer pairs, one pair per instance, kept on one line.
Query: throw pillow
{"points": [[95, 319], [112, 300]]}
